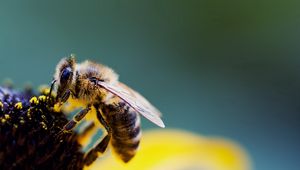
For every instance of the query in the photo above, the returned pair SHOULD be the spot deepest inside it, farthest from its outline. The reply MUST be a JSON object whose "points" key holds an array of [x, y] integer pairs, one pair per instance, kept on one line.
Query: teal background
{"points": [[218, 68]]}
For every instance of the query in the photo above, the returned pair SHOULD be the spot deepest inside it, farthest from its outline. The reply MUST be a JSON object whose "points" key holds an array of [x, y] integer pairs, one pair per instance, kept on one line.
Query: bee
{"points": [[117, 106]]}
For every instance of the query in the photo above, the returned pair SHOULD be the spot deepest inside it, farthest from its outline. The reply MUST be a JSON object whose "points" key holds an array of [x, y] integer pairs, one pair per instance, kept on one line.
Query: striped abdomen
{"points": [[125, 127]]}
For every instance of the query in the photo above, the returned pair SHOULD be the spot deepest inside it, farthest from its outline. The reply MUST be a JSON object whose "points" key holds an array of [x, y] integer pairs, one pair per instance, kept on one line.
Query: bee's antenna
{"points": [[51, 88]]}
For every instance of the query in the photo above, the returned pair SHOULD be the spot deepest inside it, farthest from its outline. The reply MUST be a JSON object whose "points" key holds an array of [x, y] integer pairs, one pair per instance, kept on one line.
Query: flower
{"points": [[31, 138], [180, 150], [28, 134]]}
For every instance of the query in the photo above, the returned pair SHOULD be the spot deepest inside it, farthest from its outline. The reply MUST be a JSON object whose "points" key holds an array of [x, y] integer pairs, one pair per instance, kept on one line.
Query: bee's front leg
{"points": [[65, 96]]}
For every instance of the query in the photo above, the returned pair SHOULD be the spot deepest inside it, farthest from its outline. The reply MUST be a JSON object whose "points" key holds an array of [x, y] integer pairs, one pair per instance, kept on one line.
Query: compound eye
{"points": [[66, 74]]}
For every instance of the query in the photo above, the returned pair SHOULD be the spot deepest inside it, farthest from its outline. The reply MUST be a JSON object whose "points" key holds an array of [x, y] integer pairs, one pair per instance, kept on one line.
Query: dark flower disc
{"points": [[30, 135]]}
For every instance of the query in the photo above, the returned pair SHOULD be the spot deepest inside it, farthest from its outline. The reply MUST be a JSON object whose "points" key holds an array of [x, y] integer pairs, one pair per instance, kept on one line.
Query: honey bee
{"points": [[117, 106]]}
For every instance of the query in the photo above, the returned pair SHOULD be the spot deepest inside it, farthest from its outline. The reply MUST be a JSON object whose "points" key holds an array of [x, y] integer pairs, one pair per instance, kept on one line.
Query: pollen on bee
{"points": [[19, 105], [34, 100], [42, 98]]}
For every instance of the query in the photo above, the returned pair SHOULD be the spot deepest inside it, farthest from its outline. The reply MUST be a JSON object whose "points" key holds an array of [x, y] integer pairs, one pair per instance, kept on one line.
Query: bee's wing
{"points": [[135, 100], [141, 99]]}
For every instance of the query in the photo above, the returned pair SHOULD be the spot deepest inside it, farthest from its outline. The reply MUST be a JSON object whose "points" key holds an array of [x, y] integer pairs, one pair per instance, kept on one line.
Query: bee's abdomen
{"points": [[126, 133]]}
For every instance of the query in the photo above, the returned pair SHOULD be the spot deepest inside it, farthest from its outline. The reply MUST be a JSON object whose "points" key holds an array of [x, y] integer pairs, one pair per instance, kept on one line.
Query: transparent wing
{"points": [[135, 100], [141, 99]]}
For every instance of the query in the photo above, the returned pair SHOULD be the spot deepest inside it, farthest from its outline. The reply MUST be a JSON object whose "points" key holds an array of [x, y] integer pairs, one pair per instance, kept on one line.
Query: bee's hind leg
{"points": [[92, 155], [100, 147]]}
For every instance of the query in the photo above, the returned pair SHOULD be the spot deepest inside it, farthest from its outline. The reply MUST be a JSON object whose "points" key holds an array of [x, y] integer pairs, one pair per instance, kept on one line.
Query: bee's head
{"points": [[64, 75]]}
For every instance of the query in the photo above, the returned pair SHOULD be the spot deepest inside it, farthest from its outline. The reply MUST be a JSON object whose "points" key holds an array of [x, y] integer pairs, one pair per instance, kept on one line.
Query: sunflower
{"points": [[30, 138]]}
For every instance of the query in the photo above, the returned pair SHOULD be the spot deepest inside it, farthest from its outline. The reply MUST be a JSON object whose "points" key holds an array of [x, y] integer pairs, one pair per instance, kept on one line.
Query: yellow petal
{"points": [[179, 150]]}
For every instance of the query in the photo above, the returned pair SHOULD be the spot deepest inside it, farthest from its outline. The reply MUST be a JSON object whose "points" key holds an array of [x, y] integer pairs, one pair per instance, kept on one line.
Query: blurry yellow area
{"points": [[179, 150]]}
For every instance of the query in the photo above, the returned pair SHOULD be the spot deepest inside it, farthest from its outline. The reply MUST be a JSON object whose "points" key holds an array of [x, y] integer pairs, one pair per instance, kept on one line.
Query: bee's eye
{"points": [[66, 74]]}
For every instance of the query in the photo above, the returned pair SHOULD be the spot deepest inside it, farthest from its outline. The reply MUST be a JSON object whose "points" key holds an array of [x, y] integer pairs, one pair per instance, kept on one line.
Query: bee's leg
{"points": [[78, 117], [92, 155], [101, 147], [65, 96]]}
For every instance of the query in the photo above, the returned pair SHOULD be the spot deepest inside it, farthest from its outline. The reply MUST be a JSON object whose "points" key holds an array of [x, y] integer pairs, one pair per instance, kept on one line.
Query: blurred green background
{"points": [[219, 68]]}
